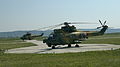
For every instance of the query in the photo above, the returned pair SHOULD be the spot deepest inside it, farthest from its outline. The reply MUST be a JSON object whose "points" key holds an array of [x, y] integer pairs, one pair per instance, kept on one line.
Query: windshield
{"points": [[51, 35]]}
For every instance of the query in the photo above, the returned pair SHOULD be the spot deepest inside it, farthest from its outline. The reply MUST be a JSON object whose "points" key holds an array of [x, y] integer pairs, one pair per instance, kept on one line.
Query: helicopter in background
{"points": [[29, 36], [70, 35]]}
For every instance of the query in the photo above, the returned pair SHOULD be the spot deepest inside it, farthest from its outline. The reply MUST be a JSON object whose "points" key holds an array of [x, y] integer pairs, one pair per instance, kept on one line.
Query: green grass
{"points": [[40, 38], [9, 43], [105, 39], [85, 59]]}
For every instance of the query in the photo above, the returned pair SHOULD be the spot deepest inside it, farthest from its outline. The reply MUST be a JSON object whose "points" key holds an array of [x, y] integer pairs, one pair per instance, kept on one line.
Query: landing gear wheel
{"points": [[69, 45], [77, 45], [49, 45], [53, 47]]}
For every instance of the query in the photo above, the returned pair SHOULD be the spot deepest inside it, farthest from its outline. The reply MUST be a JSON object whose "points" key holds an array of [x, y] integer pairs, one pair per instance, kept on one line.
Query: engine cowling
{"points": [[79, 36]]}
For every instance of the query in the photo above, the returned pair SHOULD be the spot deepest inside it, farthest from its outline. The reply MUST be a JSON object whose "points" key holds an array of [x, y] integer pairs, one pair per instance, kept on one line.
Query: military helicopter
{"points": [[29, 36], [70, 35]]}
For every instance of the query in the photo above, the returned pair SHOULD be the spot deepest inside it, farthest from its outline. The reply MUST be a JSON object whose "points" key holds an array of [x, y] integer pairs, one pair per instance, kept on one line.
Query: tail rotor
{"points": [[102, 24]]}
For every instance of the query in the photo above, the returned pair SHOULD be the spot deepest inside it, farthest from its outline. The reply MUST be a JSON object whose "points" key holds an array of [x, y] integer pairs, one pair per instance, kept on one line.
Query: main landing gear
{"points": [[69, 45], [53, 47], [77, 45]]}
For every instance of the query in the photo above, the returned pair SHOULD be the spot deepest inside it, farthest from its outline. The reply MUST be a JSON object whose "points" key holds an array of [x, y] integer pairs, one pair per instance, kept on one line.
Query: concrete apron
{"points": [[43, 48]]}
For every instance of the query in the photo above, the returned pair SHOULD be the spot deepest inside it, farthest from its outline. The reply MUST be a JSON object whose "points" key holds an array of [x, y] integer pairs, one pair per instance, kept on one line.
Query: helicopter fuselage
{"points": [[59, 37], [70, 35]]}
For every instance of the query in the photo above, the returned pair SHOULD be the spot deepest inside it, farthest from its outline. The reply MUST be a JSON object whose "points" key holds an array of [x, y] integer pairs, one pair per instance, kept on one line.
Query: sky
{"points": [[34, 14]]}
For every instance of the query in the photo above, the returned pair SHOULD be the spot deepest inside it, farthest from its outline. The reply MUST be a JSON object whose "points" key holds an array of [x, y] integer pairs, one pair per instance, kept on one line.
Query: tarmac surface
{"points": [[43, 48]]}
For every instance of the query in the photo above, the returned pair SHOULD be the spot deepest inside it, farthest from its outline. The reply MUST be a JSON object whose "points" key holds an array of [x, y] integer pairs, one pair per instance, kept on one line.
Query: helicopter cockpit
{"points": [[51, 36]]}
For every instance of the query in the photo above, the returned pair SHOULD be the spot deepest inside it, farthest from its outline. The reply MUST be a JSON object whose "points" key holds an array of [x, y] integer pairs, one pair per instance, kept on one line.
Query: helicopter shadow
{"points": [[44, 50], [58, 47], [66, 47]]}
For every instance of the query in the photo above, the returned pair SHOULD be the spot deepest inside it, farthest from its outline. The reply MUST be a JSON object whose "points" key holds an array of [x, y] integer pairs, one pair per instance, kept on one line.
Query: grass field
{"points": [[9, 43], [105, 39], [84, 59]]}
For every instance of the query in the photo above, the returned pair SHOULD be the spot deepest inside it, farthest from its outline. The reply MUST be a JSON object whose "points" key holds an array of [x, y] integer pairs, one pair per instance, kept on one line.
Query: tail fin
{"points": [[104, 28], [102, 31]]}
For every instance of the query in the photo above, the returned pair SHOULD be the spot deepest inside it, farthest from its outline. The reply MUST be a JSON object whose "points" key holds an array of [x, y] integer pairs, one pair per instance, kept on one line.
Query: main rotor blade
{"points": [[98, 27], [50, 27], [81, 23], [100, 22]]}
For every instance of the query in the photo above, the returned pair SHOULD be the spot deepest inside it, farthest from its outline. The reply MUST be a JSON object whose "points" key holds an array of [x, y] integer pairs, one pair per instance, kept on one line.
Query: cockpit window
{"points": [[51, 35]]}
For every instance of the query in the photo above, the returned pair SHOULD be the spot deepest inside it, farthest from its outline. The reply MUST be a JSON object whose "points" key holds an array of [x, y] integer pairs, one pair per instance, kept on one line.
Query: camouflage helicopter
{"points": [[70, 35], [29, 36]]}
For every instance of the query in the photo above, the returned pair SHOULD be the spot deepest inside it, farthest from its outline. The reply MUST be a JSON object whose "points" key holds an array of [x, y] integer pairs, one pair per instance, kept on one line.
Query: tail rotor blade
{"points": [[104, 22], [98, 27], [100, 22]]}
